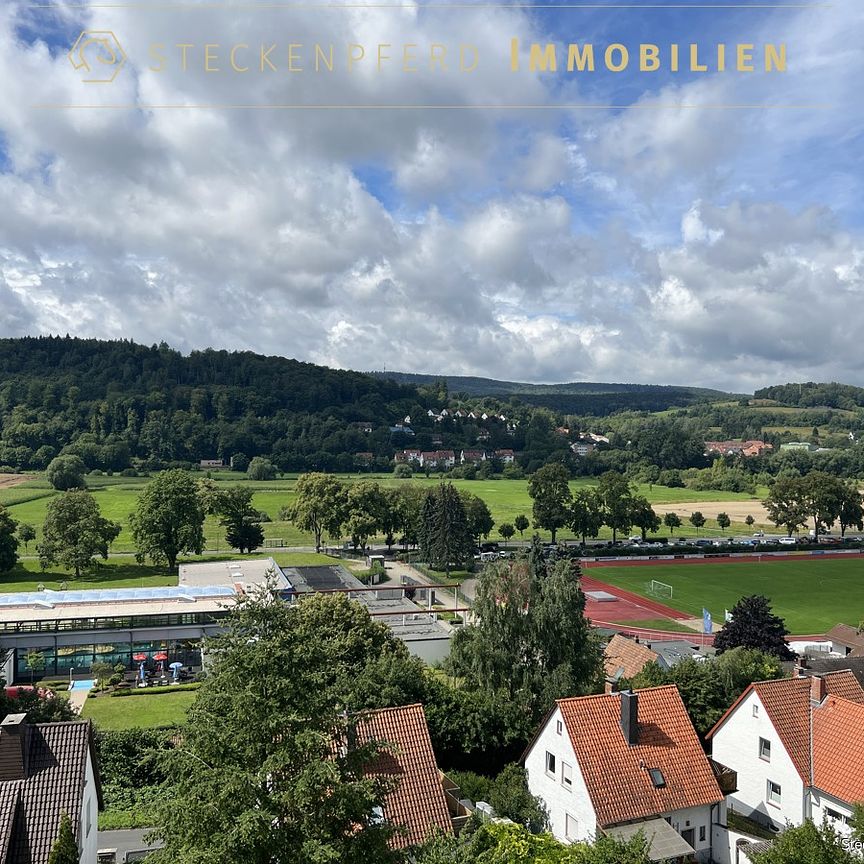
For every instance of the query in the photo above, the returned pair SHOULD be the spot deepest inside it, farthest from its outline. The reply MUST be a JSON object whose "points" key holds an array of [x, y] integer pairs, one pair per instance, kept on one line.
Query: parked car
{"points": [[703, 542], [758, 533], [787, 541]]}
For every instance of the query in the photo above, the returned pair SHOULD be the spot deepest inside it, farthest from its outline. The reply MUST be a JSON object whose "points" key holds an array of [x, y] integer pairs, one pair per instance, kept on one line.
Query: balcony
{"points": [[726, 778]]}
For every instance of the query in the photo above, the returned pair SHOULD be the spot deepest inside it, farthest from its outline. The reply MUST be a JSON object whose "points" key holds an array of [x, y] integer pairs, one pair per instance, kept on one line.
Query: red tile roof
{"points": [[838, 749], [616, 774], [787, 703], [625, 658], [417, 804]]}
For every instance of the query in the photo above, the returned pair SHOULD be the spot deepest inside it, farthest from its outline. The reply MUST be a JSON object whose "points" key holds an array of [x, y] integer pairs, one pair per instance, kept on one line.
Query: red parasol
{"points": [[139, 657], [160, 656]]}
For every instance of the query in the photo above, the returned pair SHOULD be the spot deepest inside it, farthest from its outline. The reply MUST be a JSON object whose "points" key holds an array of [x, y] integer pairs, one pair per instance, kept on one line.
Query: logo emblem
{"points": [[98, 56]]}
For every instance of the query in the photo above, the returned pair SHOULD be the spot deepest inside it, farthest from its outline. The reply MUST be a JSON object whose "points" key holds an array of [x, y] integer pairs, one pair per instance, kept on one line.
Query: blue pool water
{"points": [[82, 685]]}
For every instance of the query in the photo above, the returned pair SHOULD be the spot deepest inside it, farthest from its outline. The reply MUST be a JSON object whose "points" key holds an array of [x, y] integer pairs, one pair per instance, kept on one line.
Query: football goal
{"points": [[659, 589]]}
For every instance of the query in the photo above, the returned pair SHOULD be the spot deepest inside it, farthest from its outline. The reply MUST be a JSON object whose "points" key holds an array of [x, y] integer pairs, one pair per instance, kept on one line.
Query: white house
{"points": [[46, 770], [618, 763], [797, 748]]}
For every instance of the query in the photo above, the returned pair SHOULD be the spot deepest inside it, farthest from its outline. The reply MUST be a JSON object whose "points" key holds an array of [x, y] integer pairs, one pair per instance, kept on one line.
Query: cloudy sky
{"points": [[663, 240]]}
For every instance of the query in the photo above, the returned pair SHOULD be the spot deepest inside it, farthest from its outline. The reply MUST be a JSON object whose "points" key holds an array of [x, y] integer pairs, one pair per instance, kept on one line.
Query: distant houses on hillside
{"points": [[448, 458], [737, 448]]}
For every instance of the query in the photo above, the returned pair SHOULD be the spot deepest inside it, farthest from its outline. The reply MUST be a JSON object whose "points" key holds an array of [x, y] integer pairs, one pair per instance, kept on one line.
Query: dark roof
{"points": [[850, 637], [417, 803], [54, 773], [823, 665]]}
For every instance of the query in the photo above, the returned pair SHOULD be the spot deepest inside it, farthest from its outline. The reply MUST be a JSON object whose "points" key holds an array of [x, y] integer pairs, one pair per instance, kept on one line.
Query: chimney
{"points": [[13, 747], [818, 690], [630, 716]]}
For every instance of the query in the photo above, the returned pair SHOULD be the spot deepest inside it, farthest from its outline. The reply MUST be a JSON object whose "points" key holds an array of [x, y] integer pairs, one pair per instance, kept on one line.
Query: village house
{"points": [[473, 457], [847, 641], [46, 770], [625, 658], [737, 448], [505, 456], [211, 463], [438, 458], [620, 763], [797, 748], [583, 448], [422, 800], [407, 456]]}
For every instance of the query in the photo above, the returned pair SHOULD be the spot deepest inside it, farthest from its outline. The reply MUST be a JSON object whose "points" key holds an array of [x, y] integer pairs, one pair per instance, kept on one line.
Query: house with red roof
{"points": [[420, 801], [797, 745], [620, 763]]}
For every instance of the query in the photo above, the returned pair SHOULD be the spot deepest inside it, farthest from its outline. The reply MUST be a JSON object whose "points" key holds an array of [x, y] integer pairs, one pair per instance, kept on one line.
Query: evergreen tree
{"points": [[754, 626], [65, 849], [445, 536]]}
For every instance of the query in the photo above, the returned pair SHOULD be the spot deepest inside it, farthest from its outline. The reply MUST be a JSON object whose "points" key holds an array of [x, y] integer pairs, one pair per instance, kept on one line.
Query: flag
{"points": [[706, 621]]}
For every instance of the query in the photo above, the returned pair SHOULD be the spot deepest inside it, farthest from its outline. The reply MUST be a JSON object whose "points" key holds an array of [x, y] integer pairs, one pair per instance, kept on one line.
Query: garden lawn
{"points": [[812, 595], [130, 712]]}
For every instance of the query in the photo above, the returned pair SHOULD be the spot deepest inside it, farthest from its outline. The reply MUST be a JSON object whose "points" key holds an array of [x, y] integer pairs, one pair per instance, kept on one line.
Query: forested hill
{"points": [[112, 402], [813, 395], [581, 397]]}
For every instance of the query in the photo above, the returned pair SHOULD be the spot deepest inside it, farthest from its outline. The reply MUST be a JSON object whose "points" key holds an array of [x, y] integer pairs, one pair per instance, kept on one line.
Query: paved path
{"points": [[125, 841], [77, 699]]}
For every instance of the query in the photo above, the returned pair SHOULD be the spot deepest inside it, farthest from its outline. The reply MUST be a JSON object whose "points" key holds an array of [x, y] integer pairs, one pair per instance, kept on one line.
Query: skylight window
{"points": [[657, 778]]}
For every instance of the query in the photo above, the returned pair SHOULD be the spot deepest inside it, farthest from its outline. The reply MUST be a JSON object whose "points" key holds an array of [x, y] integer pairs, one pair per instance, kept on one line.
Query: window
{"points": [[571, 827], [567, 775], [773, 793], [89, 820], [701, 833], [836, 815], [559, 727], [755, 710], [765, 749], [550, 763], [657, 778]]}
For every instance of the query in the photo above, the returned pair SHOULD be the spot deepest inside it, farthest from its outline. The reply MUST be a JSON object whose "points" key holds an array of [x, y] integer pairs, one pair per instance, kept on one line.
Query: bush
{"points": [[129, 472], [155, 691], [403, 472], [66, 472], [261, 469]]}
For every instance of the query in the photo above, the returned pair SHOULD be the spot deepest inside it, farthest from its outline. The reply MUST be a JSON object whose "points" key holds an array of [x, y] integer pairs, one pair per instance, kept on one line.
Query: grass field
{"points": [[125, 572], [811, 595], [117, 497], [135, 712]]}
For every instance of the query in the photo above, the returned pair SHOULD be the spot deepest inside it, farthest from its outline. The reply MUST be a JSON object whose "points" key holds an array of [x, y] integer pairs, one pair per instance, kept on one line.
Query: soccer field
{"points": [[812, 595]]}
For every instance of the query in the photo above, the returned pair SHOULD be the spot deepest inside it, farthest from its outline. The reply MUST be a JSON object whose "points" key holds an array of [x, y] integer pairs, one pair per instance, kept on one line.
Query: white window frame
{"points": [[769, 793], [755, 709], [568, 819], [764, 749], [550, 764], [566, 775]]}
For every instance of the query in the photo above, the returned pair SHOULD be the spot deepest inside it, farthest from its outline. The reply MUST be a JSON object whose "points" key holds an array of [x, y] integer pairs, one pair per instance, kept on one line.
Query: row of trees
{"points": [[793, 501]]}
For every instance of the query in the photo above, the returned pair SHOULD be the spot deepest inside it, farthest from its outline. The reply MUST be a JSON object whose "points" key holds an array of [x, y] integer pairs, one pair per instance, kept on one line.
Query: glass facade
{"points": [[79, 658], [118, 622]]}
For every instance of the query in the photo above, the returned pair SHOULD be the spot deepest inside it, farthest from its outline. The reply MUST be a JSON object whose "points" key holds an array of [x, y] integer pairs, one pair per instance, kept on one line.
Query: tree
{"points": [[586, 514], [851, 513], [318, 507], [34, 660], [65, 848], [506, 530], [480, 521], [521, 523], [365, 507], [242, 522], [549, 486], [749, 520], [723, 521], [510, 797], [617, 497], [261, 469], [8, 541], [785, 504], [697, 520], [403, 471], [66, 472], [821, 497], [754, 626], [169, 518], [240, 462], [445, 538], [26, 534], [531, 640], [75, 532], [807, 844], [642, 515], [672, 521], [272, 775]]}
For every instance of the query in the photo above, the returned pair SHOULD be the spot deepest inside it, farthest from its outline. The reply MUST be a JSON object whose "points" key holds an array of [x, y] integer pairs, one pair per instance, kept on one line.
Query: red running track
{"points": [[588, 564], [628, 606]]}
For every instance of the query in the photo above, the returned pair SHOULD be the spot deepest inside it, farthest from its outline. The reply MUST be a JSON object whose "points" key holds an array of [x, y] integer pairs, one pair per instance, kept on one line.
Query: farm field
{"points": [[136, 712], [812, 595], [117, 497]]}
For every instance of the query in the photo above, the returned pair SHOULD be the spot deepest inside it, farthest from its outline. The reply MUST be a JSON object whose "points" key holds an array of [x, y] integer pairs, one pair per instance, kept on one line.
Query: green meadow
{"points": [[812, 595]]}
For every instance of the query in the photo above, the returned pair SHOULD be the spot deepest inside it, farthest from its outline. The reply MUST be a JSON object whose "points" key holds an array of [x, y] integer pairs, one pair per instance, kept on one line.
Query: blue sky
{"points": [[647, 243]]}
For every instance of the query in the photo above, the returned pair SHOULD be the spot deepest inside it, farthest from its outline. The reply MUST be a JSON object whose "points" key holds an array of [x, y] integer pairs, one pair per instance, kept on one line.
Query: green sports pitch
{"points": [[812, 594]]}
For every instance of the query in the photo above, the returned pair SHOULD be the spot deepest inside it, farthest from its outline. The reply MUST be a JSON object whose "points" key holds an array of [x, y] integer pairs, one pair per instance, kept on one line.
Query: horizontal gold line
{"points": [[483, 5], [393, 107]]}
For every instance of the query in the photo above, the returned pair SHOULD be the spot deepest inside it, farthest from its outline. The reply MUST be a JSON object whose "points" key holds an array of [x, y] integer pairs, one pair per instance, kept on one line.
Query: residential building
{"points": [[797, 748], [46, 770], [407, 456], [507, 457], [474, 457], [823, 665], [847, 641], [211, 463], [619, 763], [737, 448], [797, 445], [625, 658], [401, 429], [363, 426], [417, 805], [438, 458], [583, 448], [484, 435]]}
